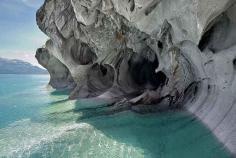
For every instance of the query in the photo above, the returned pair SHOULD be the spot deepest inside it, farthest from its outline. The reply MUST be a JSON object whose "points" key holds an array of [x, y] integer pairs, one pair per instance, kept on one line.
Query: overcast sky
{"points": [[19, 34]]}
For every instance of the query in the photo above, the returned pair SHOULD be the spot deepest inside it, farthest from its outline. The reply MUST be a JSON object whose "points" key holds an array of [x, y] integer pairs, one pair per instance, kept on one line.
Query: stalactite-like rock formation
{"points": [[179, 53]]}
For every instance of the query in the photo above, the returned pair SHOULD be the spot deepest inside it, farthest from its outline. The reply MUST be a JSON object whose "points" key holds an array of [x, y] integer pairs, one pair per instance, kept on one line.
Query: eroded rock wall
{"points": [[60, 76], [169, 53]]}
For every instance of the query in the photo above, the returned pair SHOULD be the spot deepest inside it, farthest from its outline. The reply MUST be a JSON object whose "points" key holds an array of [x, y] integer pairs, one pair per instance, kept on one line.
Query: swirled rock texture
{"points": [[147, 55]]}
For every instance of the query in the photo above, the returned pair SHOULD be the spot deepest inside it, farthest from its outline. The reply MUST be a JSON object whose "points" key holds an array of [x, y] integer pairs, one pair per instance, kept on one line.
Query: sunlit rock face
{"points": [[156, 54], [60, 75]]}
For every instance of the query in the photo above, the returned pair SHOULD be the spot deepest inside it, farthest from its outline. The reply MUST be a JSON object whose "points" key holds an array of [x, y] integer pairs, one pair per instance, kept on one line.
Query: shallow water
{"points": [[37, 122]]}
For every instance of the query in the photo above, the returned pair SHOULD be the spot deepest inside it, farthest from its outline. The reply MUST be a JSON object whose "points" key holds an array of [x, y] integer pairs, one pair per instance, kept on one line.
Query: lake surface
{"points": [[37, 122]]}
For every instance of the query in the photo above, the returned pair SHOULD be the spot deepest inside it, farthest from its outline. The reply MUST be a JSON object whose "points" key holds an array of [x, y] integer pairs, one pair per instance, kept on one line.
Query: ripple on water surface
{"points": [[59, 133], [170, 135]]}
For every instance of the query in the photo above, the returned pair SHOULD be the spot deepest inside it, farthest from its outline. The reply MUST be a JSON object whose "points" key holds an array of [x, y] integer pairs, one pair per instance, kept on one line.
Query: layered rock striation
{"points": [[162, 53]]}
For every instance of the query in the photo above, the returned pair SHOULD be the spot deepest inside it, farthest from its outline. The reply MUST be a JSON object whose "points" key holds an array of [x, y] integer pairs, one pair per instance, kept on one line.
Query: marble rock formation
{"points": [[164, 53]]}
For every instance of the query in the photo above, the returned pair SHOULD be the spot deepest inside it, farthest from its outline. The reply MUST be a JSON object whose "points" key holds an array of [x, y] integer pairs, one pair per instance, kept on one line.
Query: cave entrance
{"points": [[220, 33], [142, 69]]}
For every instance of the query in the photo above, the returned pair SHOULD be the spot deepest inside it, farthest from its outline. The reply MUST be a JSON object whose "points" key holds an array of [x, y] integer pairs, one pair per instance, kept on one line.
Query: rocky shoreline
{"points": [[175, 54]]}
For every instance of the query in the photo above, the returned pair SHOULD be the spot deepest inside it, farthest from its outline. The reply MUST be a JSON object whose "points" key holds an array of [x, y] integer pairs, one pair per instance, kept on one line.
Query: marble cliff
{"points": [[153, 53]]}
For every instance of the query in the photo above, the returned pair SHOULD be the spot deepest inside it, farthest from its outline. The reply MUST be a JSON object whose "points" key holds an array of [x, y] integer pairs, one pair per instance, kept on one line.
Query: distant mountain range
{"points": [[14, 66]]}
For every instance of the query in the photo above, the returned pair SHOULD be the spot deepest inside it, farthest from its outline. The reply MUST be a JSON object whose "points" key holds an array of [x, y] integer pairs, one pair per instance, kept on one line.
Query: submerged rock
{"points": [[168, 53]]}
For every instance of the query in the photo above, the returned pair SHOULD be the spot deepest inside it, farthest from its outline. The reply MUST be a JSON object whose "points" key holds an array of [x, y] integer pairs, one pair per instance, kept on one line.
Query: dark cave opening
{"points": [[217, 32], [103, 70], [160, 45], [205, 40], [234, 63], [142, 69]]}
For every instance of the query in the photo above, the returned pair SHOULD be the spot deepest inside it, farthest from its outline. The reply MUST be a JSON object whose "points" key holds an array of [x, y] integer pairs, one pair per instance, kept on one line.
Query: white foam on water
{"points": [[22, 136]]}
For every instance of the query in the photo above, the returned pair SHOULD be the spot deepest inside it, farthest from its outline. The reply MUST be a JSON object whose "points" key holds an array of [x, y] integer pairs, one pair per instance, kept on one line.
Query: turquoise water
{"points": [[37, 122]]}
